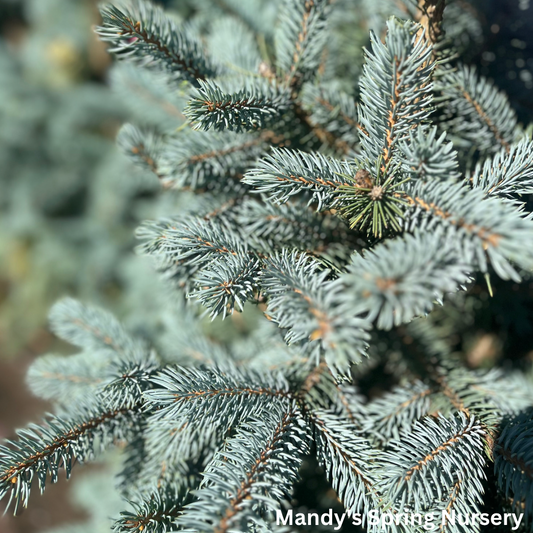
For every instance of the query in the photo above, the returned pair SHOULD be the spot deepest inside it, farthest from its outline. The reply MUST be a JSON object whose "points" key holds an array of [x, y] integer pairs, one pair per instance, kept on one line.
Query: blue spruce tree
{"points": [[368, 205]]}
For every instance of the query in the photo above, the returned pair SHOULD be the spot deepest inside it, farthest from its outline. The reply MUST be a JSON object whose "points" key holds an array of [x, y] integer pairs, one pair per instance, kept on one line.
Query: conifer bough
{"points": [[350, 220]]}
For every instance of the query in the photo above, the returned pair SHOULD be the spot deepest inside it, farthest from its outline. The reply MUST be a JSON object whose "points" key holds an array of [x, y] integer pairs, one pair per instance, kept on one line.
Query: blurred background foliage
{"points": [[66, 200], [69, 201]]}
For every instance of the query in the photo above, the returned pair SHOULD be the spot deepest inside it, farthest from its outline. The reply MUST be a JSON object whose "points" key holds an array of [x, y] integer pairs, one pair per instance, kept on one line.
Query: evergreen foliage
{"points": [[358, 224], [67, 209]]}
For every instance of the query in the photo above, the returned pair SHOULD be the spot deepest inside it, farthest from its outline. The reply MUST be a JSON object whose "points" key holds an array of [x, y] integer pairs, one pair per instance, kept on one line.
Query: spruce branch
{"points": [[513, 464], [453, 396], [143, 148], [156, 513], [192, 247], [300, 39], [285, 173], [257, 16], [395, 90], [335, 112], [459, 501], [426, 157], [348, 402], [135, 457], [144, 34], [378, 12], [345, 455], [128, 381], [455, 388], [245, 482], [401, 278], [507, 174], [191, 346], [486, 229], [471, 392], [396, 412], [92, 328], [232, 43], [65, 379], [510, 392], [372, 204], [227, 285], [177, 452], [424, 466], [213, 395], [210, 161], [488, 395], [274, 226], [319, 388], [458, 386], [191, 240], [476, 113], [304, 303], [245, 110], [150, 94], [42, 450]]}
